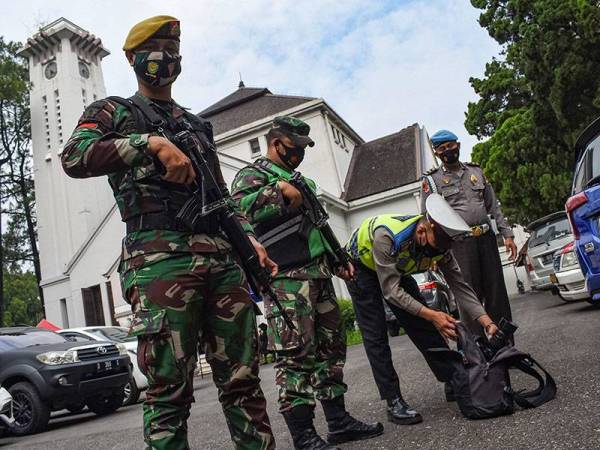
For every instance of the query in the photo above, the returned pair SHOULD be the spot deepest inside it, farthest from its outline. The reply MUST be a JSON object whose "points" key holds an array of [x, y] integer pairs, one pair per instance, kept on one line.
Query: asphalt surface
{"points": [[563, 337]]}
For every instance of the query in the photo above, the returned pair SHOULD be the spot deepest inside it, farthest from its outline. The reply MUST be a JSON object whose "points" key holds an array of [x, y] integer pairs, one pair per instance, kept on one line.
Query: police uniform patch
{"points": [[425, 186], [474, 179]]}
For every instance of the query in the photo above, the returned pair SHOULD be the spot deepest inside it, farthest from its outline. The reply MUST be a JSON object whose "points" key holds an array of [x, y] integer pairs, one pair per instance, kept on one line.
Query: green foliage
{"points": [[22, 303], [353, 336], [533, 104]]}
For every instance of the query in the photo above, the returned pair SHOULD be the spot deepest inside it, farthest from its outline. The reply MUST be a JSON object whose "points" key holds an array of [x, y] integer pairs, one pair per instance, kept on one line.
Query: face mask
{"points": [[450, 156], [292, 156], [157, 68]]}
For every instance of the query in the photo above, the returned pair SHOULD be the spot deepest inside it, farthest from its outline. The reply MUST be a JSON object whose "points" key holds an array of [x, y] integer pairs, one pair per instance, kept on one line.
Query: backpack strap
{"points": [[140, 124], [546, 389]]}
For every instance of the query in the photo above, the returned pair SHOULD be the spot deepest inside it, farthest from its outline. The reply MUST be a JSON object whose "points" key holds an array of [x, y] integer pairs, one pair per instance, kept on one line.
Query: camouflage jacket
{"points": [[261, 199], [106, 141]]}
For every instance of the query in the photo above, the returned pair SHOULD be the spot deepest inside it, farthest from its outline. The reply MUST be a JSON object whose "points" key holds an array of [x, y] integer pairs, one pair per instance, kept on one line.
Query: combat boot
{"points": [[401, 413], [300, 423], [345, 428]]}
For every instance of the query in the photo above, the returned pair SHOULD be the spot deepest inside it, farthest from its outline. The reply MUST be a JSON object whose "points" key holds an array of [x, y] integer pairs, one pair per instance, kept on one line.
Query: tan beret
{"points": [[166, 27]]}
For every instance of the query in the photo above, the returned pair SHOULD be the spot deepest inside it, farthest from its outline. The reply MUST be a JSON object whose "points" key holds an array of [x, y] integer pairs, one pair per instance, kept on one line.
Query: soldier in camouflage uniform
{"points": [[181, 283], [310, 360]]}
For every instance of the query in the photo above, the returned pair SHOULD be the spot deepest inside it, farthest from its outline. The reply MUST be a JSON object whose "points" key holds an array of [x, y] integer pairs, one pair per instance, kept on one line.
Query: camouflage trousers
{"points": [[310, 360], [179, 300]]}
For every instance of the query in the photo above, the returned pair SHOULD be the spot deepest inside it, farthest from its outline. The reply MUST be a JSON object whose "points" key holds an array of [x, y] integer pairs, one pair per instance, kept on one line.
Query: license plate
{"points": [[553, 278], [105, 366]]}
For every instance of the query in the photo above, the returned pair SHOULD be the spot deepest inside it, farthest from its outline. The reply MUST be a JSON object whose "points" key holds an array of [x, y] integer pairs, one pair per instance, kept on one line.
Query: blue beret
{"points": [[443, 136]]}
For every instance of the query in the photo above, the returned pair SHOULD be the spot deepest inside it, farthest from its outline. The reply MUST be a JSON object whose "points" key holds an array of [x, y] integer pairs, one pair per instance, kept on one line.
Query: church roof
{"points": [[246, 105], [383, 164]]}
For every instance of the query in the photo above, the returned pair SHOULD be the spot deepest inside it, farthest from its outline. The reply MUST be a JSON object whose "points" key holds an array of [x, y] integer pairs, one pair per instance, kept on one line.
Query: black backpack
{"points": [[482, 387]]}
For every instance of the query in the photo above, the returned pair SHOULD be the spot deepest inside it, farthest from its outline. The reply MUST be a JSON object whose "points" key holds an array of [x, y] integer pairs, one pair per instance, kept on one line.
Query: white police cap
{"points": [[441, 213]]}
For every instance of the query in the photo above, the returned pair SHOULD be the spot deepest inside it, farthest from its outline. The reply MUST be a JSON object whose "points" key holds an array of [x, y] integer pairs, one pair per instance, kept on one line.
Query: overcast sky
{"points": [[382, 65]]}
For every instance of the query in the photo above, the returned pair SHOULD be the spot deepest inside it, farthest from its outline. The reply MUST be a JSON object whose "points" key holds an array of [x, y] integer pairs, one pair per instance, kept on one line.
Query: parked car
{"points": [[138, 381], [6, 411], [436, 293], [45, 372], [583, 207], [548, 234], [568, 279]]}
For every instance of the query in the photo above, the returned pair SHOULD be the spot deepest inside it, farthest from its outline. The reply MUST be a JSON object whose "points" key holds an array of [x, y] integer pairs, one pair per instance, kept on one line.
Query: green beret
{"points": [[165, 27], [297, 130]]}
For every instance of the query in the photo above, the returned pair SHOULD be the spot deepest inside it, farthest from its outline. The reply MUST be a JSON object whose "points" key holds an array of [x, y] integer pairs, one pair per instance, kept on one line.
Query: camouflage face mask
{"points": [[157, 68]]}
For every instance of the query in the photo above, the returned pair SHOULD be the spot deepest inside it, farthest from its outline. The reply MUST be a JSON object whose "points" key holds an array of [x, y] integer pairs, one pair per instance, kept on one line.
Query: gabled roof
{"points": [[246, 105], [385, 163]]}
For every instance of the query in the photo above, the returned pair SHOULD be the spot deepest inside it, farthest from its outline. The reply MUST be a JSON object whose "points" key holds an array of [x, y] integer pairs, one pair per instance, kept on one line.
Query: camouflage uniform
{"points": [[180, 284], [312, 358]]}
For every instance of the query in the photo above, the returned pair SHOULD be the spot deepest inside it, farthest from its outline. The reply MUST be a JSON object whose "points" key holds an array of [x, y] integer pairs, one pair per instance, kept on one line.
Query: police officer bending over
{"points": [[387, 250], [466, 189], [310, 360], [180, 282]]}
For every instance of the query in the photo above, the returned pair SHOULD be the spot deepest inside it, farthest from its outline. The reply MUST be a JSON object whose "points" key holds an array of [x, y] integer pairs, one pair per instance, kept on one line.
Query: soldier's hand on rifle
{"points": [[263, 258], [177, 165], [290, 193], [345, 273]]}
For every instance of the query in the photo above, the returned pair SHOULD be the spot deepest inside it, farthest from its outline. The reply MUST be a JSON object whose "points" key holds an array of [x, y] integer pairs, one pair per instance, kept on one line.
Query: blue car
{"points": [[583, 207]]}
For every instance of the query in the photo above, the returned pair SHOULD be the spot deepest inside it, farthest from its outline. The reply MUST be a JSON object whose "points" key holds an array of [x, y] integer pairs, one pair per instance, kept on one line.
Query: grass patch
{"points": [[353, 337]]}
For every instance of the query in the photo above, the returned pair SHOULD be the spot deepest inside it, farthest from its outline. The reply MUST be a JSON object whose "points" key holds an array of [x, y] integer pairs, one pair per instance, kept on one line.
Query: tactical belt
{"points": [[161, 221], [479, 230]]}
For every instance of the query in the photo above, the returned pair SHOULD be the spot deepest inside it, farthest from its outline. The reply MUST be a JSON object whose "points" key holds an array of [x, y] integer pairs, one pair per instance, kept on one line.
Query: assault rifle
{"points": [[312, 208], [206, 199]]}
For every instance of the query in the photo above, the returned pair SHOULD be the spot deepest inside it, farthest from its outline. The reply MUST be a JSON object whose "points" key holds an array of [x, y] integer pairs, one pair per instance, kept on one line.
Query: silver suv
{"points": [[548, 234]]}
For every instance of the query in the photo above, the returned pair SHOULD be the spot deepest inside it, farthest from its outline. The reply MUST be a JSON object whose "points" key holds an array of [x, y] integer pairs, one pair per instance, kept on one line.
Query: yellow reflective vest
{"points": [[401, 229]]}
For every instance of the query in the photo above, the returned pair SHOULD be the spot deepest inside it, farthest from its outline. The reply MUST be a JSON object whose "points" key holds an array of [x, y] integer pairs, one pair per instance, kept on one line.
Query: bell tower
{"points": [[66, 75]]}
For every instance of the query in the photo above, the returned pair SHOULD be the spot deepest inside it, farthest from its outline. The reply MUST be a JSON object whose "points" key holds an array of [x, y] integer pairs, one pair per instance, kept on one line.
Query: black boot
{"points": [[449, 391], [300, 423], [345, 428], [399, 412]]}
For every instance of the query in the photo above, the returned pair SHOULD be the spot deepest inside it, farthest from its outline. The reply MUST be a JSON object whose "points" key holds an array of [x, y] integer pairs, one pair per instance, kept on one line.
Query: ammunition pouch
{"points": [[286, 240], [164, 221]]}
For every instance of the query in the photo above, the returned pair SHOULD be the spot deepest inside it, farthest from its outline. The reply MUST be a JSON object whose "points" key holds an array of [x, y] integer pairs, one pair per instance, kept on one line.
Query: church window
{"points": [[336, 134], [92, 306], [254, 148]]}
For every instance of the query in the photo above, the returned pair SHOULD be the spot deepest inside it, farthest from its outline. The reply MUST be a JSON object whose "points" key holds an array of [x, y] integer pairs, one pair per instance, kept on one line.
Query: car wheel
{"points": [[131, 393], [105, 404], [30, 412]]}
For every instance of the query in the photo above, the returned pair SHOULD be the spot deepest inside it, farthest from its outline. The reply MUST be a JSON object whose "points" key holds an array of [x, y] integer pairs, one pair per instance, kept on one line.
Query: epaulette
{"points": [[431, 171], [474, 164]]}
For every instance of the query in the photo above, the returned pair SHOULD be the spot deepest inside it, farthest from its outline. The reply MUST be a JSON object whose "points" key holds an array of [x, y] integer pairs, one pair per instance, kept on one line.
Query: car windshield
{"points": [[115, 334], [18, 339], [549, 231]]}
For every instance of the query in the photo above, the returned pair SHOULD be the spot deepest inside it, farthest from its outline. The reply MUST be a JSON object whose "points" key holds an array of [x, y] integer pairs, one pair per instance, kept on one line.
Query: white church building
{"points": [[79, 226]]}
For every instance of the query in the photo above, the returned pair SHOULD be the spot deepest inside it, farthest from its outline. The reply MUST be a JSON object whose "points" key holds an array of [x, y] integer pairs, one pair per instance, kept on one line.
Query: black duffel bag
{"points": [[481, 384]]}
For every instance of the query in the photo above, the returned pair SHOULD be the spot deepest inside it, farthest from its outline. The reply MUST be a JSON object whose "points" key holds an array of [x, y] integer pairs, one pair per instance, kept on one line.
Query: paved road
{"points": [[565, 337]]}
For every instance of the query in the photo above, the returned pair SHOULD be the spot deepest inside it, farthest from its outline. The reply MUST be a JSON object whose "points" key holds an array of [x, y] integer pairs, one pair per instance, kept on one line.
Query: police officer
{"points": [[387, 249], [467, 190], [310, 360], [180, 282]]}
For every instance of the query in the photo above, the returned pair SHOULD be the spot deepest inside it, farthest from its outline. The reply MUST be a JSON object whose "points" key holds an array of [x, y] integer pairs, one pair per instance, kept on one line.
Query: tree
{"points": [[16, 177], [536, 100]]}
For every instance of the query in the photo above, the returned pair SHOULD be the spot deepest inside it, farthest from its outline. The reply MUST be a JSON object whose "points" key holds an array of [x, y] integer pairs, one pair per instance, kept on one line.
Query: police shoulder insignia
{"points": [[425, 186], [474, 178], [431, 171]]}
